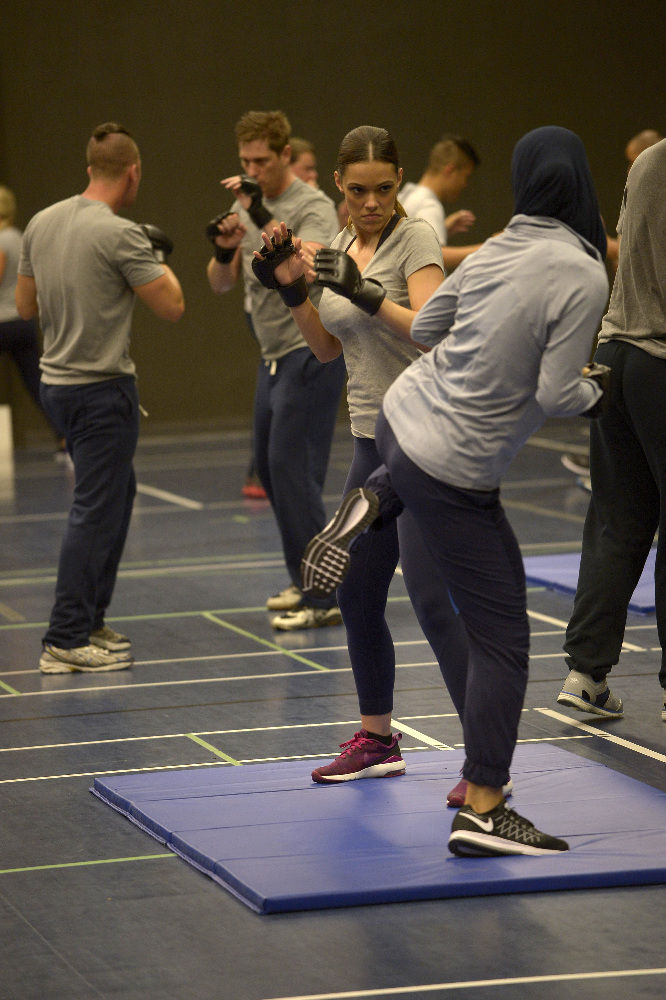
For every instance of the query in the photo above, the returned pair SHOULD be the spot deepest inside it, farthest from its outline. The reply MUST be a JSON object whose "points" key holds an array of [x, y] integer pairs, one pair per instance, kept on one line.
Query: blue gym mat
{"points": [[560, 572], [279, 842]]}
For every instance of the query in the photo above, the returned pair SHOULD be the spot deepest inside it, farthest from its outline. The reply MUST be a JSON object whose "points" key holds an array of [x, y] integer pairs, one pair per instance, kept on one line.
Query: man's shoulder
{"points": [[304, 196]]}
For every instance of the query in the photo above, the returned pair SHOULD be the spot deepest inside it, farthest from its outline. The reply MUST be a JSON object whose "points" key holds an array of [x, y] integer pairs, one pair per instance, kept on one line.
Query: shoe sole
{"points": [[466, 844], [325, 561], [575, 701], [70, 668], [392, 770], [303, 628], [457, 801]]}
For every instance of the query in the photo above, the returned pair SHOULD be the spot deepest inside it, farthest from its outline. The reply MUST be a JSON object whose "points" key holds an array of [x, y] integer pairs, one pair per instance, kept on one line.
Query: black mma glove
{"points": [[160, 242], [257, 210], [338, 271], [601, 374], [294, 294], [223, 255]]}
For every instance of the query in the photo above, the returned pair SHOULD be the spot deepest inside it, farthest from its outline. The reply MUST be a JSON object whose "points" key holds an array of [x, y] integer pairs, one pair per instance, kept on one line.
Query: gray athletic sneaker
{"points": [[306, 617], [107, 638], [325, 562], [287, 599], [581, 692], [84, 659], [500, 831]]}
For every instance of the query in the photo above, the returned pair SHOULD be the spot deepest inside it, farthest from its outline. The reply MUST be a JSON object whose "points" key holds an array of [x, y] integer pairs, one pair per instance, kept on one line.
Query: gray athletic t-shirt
{"points": [[637, 308], [10, 244], [85, 261], [310, 214], [374, 355]]}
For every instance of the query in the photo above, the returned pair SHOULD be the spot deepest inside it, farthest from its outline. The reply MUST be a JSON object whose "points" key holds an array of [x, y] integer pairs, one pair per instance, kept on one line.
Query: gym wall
{"points": [[179, 76]]}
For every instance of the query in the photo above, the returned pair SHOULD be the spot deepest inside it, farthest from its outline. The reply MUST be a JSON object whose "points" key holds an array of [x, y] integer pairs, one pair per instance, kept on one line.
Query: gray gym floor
{"points": [[92, 907]]}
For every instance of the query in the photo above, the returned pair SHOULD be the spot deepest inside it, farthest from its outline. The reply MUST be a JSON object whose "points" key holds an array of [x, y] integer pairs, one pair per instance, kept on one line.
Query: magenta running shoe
{"points": [[363, 757], [456, 797]]}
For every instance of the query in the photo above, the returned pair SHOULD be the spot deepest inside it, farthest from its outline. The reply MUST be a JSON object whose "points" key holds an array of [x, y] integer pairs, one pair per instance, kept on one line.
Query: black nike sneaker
{"points": [[500, 831]]}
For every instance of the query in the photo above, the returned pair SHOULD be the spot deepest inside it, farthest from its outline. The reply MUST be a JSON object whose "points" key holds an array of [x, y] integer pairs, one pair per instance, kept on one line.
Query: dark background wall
{"points": [[179, 76]]}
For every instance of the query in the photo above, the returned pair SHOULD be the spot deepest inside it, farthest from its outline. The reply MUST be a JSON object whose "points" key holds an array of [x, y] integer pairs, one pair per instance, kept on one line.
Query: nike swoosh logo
{"points": [[485, 824]]}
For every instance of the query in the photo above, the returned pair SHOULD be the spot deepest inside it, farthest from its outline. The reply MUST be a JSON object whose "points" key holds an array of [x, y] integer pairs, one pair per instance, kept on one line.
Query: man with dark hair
{"points": [[450, 165], [82, 268], [297, 398]]}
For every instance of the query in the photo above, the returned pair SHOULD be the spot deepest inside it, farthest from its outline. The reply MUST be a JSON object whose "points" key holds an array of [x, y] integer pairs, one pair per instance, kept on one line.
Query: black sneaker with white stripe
{"points": [[500, 831], [325, 561]]}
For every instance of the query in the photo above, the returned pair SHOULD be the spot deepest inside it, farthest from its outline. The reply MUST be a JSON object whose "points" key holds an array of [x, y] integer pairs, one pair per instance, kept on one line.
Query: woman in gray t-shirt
{"points": [[404, 256]]}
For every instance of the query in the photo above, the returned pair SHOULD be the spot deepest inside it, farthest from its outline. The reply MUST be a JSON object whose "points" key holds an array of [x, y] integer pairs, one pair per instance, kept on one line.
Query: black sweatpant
{"points": [[628, 472]]}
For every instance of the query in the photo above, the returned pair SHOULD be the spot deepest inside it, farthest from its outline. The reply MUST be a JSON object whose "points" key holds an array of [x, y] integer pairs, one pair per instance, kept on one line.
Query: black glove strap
{"points": [[224, 255], [259, 214], [296, 293]]}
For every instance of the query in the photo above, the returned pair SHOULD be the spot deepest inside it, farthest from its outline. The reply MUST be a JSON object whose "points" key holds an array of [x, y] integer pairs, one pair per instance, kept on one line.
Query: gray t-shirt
{"points": [[10, 245], [637, 309], [374, 355], [310, 214], [85, 261]]}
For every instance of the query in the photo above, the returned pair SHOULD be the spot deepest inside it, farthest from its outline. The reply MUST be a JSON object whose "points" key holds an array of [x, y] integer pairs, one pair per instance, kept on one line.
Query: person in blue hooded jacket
{"points": [[509, 332]]}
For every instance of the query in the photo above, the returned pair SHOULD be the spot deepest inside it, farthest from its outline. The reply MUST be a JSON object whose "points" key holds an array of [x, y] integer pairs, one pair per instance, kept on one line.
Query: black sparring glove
{"points": [[601, 374], [336, 270], [294, 294], [257, 210], [223, 255], [160, 242]]}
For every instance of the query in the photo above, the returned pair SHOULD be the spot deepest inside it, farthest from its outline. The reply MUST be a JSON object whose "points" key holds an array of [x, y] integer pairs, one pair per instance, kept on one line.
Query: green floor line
{"points": [[177, 614], [218, 753], [8, 689], [211, 616], [83, 864]]}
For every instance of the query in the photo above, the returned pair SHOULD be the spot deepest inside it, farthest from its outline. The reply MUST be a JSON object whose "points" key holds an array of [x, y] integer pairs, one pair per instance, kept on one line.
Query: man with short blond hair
{"points": [[82, 268], [297, 397]]}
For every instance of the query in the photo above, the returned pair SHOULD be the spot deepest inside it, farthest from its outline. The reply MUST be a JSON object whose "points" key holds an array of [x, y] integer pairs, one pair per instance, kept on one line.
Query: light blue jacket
{"points": [[511, 329]]}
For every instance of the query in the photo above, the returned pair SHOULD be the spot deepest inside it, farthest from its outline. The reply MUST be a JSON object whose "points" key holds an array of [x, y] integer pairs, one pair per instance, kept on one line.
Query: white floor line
{"points": [[198, 680], [474, 984], [152, 491], [609, 737], [421, 736]]}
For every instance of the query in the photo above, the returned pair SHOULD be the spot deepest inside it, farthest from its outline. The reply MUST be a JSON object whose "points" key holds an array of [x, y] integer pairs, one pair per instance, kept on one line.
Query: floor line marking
{"points": [[320, 671], [161, 616], [532, 508], [152, 491], [264, 642], [84, 864], [609, 737], [422, 736], [10, 613], [10, 690], [209, 746], [176, 767], [476, 984]]}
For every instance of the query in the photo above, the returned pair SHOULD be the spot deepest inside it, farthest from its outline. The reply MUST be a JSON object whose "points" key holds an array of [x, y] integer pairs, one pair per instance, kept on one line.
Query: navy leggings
{"points": [[363, 594], [473, 545]]}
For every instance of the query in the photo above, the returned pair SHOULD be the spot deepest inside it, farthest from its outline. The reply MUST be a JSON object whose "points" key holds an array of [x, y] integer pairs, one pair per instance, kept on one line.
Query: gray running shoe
{"points": [[84, 659], [498, 832], [325, 561], [581, 692], [286, 600], [307, 617], [107, 638]]}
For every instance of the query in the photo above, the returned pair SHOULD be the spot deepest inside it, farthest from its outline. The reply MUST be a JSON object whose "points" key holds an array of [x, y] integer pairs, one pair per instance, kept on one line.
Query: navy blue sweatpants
{"points": [[363, 594], [295, 408], [475, 550]]}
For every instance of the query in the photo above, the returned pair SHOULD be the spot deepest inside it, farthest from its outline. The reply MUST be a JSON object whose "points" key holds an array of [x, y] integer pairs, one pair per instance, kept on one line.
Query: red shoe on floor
{"points": [[254, 491]]}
